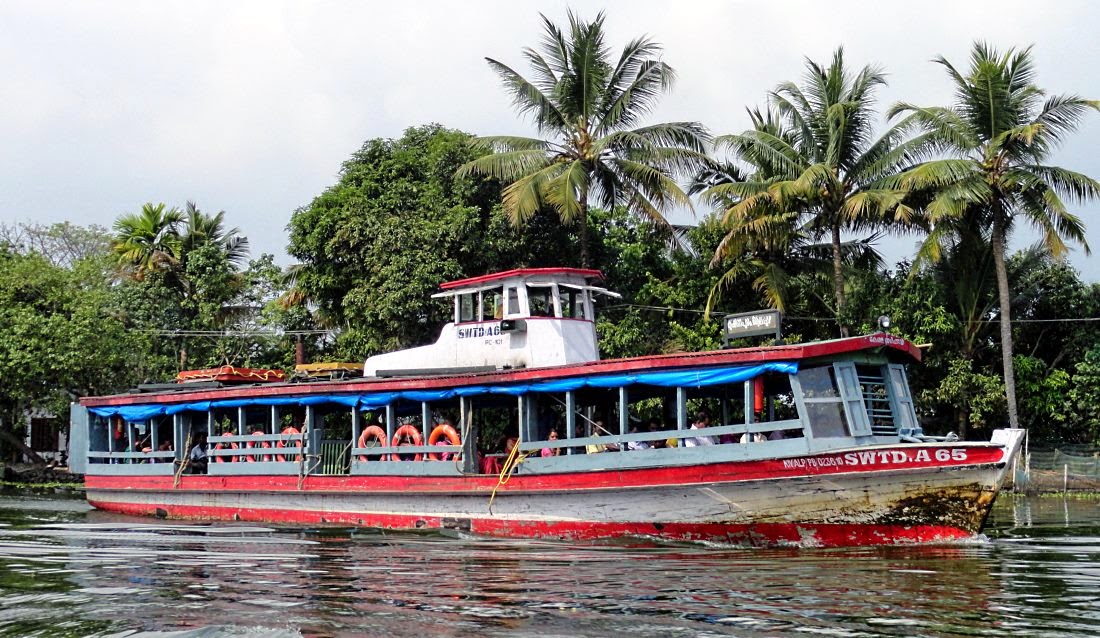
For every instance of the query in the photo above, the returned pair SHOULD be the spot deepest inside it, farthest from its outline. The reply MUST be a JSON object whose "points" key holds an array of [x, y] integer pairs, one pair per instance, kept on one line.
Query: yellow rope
{"points": [[510, 465], [186, 461]]}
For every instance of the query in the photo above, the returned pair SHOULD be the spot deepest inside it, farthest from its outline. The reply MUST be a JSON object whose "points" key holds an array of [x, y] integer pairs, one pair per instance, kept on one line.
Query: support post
{"points": [[426, 424], [391, 423], [749, 399], [570, 418], [241, 429], [356, 426], [522, 425], [274, 419], [153, 435], [624, 411], [469, 433], [681, 409]]}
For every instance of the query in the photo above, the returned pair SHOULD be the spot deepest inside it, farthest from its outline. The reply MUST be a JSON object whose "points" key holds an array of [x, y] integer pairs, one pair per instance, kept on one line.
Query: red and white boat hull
{"points": [[867, 496]]}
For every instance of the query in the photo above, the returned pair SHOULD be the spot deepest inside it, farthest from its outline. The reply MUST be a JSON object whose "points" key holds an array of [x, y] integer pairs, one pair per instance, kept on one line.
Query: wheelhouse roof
{"points": [[894, 348], [587, 273]]}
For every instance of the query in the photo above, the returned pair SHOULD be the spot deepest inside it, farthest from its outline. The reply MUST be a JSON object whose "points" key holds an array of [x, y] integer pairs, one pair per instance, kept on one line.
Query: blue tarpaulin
{"points": [[699, 378]]}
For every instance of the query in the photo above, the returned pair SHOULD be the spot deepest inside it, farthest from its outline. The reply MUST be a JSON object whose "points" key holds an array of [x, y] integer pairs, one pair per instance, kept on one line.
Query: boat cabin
{"points": [[524, 318]]}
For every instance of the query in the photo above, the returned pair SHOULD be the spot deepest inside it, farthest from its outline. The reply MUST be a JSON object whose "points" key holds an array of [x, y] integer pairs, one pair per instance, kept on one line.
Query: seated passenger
{"points": [[551, 451], [197, 458], [702, 420], [597, 429], [637, 445]]}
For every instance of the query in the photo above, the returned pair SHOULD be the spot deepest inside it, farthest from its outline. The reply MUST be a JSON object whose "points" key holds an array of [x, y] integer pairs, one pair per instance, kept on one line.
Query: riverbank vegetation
{"points": [[789, 214]]}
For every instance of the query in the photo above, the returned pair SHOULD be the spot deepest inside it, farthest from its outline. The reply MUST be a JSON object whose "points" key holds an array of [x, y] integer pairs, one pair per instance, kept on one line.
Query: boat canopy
{"points": [[690, 378]]}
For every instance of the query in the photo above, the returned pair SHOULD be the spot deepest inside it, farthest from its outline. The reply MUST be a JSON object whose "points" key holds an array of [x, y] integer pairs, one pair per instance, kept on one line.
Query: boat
{"points": [[511, 424]]}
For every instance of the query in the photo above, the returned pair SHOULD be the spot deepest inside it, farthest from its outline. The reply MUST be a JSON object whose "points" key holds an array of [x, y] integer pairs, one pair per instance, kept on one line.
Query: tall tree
{"points": [[816, 163], [1001, 132], [589, 105]]}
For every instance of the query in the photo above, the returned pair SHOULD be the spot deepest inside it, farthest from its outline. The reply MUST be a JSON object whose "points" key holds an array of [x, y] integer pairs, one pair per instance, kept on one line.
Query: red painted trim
{"points": [[883, 460], [794, 352], [757, 534], [587, 273]]}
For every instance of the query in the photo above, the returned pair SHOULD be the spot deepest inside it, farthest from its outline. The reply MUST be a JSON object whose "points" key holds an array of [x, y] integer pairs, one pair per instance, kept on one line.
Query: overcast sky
{"points": [[250, 107]]}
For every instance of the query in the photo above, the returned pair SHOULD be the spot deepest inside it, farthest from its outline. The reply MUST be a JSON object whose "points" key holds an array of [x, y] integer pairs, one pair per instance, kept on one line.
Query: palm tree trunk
{"points": [[582, 219], [838, 280], [998, 241]]}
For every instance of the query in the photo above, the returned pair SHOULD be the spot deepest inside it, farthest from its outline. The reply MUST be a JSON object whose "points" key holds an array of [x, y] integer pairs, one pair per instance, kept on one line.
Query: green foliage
{"points": [[977, 396], [1081, 415], [375, 246], [62, 338]]}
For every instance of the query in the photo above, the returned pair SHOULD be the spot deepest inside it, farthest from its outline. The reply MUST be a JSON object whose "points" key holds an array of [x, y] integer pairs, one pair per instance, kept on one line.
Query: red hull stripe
{"points": [[889, 460], [758, 534]]}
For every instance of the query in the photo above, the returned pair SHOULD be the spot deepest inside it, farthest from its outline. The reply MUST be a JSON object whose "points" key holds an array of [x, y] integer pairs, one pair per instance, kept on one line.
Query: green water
{"points": [[66, 570]]}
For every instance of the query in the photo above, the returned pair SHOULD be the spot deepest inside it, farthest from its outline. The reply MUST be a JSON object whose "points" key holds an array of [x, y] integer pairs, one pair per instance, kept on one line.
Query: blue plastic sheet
{"points": [[697, 378]]}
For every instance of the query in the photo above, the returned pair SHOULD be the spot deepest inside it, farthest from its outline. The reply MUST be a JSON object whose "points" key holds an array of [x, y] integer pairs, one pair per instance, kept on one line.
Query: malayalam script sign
{"points": [[753, 324]]}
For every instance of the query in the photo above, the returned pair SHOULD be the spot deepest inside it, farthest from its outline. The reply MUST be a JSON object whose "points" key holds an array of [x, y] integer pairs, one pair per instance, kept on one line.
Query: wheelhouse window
{"points": [[512, 307], [824, 407], [572, 303], [492, 304], [467, 307], [540, 301]]}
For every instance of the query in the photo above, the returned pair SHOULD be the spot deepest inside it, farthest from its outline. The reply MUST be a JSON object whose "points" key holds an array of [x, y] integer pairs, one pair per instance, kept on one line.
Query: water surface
{"points": [[66, 570]]}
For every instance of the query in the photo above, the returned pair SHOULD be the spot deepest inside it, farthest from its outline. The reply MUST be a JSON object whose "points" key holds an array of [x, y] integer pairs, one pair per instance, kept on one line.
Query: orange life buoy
{"points": [[443, 430], [228, 446], [411, 432], [372, 433], [283, 444], [265, 458]]}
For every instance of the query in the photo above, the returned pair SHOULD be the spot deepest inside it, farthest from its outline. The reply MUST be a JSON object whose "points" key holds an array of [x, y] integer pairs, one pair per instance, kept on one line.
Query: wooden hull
{"points": [[863, 496]]}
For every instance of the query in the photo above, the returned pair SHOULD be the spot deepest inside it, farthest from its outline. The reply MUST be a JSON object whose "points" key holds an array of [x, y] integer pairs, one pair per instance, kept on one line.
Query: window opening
{"points": [[824, 408], [467, 307], [540, 302]]}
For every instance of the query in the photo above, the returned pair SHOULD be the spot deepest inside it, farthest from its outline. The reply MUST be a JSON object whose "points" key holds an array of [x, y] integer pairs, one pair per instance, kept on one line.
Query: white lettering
{"points": [[922, 455]]}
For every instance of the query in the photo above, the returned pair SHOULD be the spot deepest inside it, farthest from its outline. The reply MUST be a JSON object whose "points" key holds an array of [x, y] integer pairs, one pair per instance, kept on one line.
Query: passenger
{"points": [[653, 427], [197, 457], [702, 421], [747, 438], [165, 446], [597, 429], [551, 451], [637, 445]]}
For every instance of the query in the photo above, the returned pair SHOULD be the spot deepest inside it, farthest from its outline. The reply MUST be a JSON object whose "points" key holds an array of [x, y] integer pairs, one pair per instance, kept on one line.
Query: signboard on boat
{"points": [[752, 324]]}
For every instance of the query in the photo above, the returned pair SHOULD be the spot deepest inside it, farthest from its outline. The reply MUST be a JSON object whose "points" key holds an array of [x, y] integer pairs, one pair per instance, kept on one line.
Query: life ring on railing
{"points": [[283, 444], [372, 433], [411, 432], [250, 458], [228, 446], [443, 430]]}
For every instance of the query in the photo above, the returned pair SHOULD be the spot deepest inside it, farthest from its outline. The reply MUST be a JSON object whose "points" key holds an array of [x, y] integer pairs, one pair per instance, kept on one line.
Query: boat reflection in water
{"points": [[813, 444]]}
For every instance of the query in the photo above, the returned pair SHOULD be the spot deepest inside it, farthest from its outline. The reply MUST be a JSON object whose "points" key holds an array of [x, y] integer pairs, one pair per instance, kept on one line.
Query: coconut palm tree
{"points": [[814, 161], [1000, 132], [765, 244], [148, 240], [589, 104], [200, 229]]}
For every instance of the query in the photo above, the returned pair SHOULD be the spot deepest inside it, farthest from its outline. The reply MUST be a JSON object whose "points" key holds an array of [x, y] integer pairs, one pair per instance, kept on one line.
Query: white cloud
{"points": [[252, 106]]}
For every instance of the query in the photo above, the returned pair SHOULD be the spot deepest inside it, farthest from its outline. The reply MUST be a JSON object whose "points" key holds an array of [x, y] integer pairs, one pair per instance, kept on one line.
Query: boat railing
{"points": [[373, 454], [256, 448], [134, 457], [714, 432]]}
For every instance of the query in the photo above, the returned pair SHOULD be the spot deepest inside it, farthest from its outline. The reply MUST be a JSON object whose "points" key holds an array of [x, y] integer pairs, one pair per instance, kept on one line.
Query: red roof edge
{"points": [[587, 273]]}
